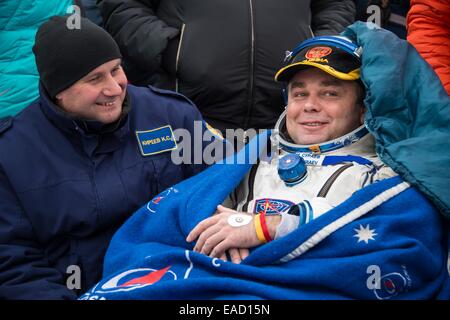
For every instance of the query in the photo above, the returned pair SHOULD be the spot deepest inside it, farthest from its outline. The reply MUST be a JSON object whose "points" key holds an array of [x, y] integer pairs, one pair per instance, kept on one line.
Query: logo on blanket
{"points": [[152, 204], [135, 279], [365, 233], [271, 206], [389, 285]]}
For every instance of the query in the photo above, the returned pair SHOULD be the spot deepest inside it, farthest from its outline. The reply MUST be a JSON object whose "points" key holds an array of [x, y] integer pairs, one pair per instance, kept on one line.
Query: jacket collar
{"points": [[93, 136]]}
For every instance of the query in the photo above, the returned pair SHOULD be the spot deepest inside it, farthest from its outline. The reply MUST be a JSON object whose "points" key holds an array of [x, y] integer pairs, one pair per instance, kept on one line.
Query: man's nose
{"points": [[312, 104], [112, 87]]}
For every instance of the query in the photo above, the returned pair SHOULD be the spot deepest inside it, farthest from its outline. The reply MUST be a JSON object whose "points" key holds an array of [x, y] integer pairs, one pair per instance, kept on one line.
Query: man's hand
{"points": [[216, 236], [238, 254]]}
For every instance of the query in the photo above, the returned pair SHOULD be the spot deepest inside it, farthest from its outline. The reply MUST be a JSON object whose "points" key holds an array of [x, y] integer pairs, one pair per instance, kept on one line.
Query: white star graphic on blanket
{"points": [[365, 233]]}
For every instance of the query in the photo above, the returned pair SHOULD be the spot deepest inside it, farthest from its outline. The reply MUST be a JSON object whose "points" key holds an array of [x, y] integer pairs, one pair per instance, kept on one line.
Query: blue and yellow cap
{"points": [[326, 53]]}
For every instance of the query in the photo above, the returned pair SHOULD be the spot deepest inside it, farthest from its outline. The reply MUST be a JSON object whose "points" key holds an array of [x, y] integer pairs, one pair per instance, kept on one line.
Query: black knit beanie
{"points": [[64, 56]]}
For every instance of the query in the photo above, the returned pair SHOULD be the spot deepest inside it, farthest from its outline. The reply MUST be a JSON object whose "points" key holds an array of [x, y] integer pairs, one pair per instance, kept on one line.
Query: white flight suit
{"points": [[266, 191]]}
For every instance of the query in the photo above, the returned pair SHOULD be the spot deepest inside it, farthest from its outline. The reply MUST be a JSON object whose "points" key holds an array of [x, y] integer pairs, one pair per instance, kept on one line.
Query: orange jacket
{"points": [[428, 23]]}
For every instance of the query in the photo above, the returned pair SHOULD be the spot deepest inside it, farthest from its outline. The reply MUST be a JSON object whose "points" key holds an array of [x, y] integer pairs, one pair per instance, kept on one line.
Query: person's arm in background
{"points": [[140, 34], [331, 16], [428, 26], [24, 270]]}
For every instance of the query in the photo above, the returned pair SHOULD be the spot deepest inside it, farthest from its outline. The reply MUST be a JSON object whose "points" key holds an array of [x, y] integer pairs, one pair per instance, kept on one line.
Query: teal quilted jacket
{"points": [[19, 21], [408, 111]]}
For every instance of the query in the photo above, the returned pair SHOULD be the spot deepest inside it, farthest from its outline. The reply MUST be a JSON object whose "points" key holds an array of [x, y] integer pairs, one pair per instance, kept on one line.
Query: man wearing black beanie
{"points": [[66, 67], [80, 160], [60, 59]]}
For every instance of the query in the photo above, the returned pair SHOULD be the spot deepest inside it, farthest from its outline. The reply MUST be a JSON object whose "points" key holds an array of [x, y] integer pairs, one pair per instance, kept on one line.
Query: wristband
{"points": [[258, 229], [262, 219]]}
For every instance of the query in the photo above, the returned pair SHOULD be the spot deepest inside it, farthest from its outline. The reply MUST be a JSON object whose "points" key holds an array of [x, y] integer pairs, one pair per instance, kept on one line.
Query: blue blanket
{"points": [[388, 241], [385, 242]]}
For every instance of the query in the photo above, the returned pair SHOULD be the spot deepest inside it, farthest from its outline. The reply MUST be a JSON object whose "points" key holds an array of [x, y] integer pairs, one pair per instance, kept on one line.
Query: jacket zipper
{"points": [[310, 30], [178, 57], [326, 187], [251, 187], [252, 69]]}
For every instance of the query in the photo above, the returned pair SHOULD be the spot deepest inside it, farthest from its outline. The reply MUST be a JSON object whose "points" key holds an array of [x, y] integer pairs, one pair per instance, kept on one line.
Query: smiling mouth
{"points": [[106, 104], [313, 124]]}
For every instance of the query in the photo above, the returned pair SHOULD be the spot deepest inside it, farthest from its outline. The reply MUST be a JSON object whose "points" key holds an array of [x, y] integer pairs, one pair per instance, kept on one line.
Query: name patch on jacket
{"points": [[156, 140]]}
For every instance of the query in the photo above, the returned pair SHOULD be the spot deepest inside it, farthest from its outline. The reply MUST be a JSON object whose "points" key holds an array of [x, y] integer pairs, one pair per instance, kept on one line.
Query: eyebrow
{"points": [[333, 82], [297, 84], [326, 83]]}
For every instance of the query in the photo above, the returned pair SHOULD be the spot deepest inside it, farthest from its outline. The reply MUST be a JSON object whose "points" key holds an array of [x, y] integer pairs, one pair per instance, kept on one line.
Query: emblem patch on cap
{"points": [[318, 52]]}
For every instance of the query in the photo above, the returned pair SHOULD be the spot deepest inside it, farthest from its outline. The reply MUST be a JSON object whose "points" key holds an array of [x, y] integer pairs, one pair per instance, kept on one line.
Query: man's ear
{"points": [[362, 114]]}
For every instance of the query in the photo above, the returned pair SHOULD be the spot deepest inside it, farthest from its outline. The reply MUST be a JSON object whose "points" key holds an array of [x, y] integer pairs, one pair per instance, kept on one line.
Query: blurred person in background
{"points": [[429, 33], [221, 54]]}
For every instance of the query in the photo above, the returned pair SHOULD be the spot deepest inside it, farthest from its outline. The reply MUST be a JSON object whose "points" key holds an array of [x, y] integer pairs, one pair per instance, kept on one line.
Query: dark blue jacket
{"points": [[64, 192]]}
